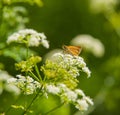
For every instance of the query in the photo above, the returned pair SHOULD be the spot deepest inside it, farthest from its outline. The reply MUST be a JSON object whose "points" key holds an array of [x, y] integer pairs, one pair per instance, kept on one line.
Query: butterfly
{"points": [[73, 50]]}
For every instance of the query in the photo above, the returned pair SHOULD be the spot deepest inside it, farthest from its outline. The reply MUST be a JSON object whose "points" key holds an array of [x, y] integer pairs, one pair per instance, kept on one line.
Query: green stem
{"points": [[33, 75], [34, 98], [27, 52], [54, 109], [38, 73]]}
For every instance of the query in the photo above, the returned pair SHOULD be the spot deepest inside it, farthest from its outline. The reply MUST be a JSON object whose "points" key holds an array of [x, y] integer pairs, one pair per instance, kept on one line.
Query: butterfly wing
{"points": [[73, 50]]}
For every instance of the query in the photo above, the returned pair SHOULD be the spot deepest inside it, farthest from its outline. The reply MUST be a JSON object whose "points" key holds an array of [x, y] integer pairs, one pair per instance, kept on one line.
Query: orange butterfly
{"points": [[73, 50]]}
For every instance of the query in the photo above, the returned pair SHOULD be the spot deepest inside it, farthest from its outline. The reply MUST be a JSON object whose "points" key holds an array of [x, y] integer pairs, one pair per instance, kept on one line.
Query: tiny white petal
{"points": [[79, 92], [45, 43], [30, 37], [53, 89], [13, 38], [87, 71], [34, 41], [88, 100], [71, 95], [82, 104]]}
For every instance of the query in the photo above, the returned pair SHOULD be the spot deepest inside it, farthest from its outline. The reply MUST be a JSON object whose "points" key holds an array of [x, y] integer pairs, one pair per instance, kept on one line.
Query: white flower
{"points": [[80, 92], [87, 71], [26, 83], [88, 100], [62, 86], [52, 89], [42, 35], [73, 64], [89, 43], [27, 32], [71, 95], [37, 84], [13, 38], [81, 104], [29, 89], [20, 78], [74, 72], [29, 37], [8, 83], [33, 41], [67, 94], [29, 79], [45, 43]]}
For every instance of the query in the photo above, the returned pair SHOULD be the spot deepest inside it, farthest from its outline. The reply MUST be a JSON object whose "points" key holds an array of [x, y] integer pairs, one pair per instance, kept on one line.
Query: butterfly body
{"points": [[73, 50]]}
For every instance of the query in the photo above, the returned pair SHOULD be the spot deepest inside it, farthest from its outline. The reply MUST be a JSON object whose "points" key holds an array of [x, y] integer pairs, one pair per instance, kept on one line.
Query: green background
{"points": [[61, 21]]}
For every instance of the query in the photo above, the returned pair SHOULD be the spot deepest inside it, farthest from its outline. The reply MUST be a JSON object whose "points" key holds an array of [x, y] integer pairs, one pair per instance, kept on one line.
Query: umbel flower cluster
{"points": [[58, 76], [30, 37]]}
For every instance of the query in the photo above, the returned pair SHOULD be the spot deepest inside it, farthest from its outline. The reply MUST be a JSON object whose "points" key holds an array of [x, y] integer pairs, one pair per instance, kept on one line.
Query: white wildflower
{"points": [[52, 89], [49, 55], [80, 92], [87, 71], [81, 104], [62, 86], [74, 72], [45, 43], [15, 16], [42, 35], [29, 37], [26, 83], [29, 89], [8, 83], [27, 32], [88, 100], [29, 79], [71, 63], [89, 43], [20, 80], [70, 95], [13, 38], [67, 94], [33, 41], [37, 84]]}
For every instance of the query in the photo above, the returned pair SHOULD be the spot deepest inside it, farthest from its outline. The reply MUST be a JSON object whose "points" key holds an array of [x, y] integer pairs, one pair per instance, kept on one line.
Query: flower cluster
{"points": [[61, 74], [65, 68], [28, 65], [15, 16], [26, 83], [76, 96], [30, 37], [4, 76], [59, 78], [73, 64], [90, 43]]}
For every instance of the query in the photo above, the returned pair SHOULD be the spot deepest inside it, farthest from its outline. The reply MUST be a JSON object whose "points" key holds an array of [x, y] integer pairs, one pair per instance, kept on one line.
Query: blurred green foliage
{"points": [[61, 21]]}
